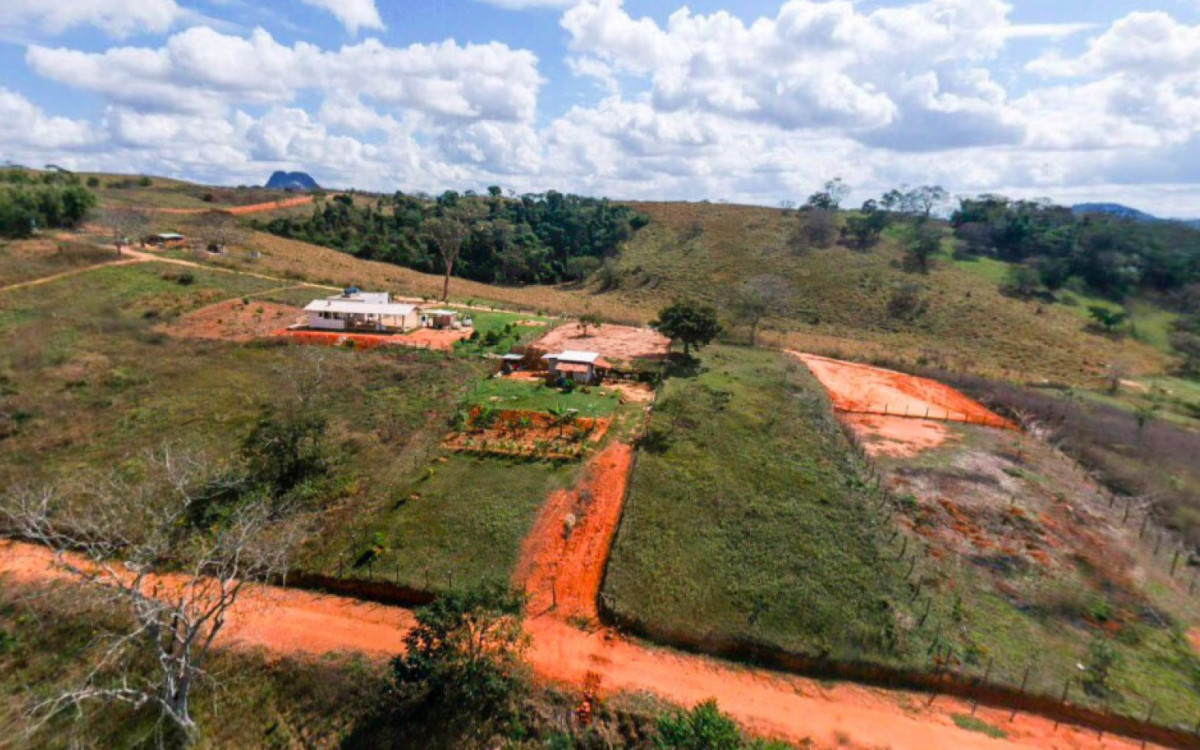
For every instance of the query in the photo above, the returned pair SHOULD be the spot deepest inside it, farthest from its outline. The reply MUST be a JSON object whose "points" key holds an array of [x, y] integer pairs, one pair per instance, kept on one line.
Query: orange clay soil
{"points": [[873, 390], [233, 320], [253, 208], [295, 622], [563, 558], [614, 343], [422, 338], [900, 437]]}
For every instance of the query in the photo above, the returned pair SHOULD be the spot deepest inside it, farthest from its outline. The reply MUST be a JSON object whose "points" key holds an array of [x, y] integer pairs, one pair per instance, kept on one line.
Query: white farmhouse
{"points": [[362, 311]]}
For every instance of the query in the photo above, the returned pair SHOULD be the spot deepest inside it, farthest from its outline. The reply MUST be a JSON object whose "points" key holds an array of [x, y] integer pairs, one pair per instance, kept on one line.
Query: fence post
{"points": [[341, 559], [1024, 680], [1125, 518], [1175, 562], [1063, 700], [986, 674]]}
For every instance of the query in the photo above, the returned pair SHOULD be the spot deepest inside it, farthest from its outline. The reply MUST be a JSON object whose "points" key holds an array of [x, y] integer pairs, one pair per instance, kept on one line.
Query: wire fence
{"points": [[946, 662], [938, 414]]}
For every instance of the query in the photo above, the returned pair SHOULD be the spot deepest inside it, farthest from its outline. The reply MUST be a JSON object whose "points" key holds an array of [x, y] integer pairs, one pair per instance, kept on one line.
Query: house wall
{"points": [[327, 324], [401, 322]]}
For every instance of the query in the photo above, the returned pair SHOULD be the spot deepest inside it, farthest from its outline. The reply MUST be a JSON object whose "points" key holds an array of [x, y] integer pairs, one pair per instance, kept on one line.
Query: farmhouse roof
{"points": [[167, 236], [440, 311], [361, 308], [586, 358], [513, 357]]}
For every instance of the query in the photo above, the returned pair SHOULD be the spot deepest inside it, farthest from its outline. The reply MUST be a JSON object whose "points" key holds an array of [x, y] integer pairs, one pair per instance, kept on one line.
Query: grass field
{"points": [[25, 260], [460, 522], [526, 395], [745, 521], [88, 382]]}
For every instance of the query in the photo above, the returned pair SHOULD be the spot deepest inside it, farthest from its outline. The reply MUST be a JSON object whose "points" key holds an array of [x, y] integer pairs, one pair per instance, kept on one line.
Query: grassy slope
{"points": [[461, 522], [302, 261], [1047, 615], [969, 325], [24, 260], [89, 382], [748, 526]]}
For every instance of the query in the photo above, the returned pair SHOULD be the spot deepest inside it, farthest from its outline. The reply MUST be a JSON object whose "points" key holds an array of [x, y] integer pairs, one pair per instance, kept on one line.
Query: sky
{"points": [[756, 101]]}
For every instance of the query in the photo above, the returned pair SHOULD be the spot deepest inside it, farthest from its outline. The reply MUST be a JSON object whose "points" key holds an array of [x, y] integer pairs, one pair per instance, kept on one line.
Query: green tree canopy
{"points": [[690, 322]]}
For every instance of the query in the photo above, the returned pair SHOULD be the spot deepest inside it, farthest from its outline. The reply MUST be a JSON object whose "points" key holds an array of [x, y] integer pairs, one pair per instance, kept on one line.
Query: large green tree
{"points": [[690, 322]]}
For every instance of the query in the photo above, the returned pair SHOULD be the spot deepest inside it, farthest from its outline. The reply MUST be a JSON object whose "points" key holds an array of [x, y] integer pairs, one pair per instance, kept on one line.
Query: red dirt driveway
{"points": [[563, 558]]}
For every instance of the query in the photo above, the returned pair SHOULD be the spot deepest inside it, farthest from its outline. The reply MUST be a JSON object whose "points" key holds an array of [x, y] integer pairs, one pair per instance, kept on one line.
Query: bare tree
{"points": [[757, 297], [448, 234], [118, 538], [216, 229], [125, 223]]}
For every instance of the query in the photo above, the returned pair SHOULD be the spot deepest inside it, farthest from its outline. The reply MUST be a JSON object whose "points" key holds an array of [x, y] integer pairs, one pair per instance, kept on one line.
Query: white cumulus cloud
{"points": [[353, 14], [119, 18]]}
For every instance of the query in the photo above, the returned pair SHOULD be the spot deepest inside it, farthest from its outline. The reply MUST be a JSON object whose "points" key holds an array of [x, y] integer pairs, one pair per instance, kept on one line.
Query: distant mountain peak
{"points": [[1113, 209], [292, 181]]}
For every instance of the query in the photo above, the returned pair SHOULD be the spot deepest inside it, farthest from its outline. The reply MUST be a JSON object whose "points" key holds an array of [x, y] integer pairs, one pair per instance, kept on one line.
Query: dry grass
{"points": [[839, 301], [25, 260], [302, 261]]}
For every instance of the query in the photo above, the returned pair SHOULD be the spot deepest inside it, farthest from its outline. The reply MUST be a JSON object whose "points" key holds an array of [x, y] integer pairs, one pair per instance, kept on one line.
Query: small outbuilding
{"points": [[440, 319], [165, 239], [574, 365]]}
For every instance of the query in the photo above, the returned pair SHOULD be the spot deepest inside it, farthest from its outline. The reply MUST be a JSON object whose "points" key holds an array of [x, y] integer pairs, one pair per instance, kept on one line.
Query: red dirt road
{"points": [[568, 567], [291, 622], [253, 208], [863, 389]]}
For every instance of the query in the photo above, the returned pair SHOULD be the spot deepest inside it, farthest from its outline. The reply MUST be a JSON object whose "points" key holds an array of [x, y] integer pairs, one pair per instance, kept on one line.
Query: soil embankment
{"points": [[862, 389]]}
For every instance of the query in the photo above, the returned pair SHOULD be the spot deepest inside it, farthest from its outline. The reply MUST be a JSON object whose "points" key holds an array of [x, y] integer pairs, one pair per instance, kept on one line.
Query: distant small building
{"points": [[166, 239], [440, 318], [582, 367], [354, 310]]}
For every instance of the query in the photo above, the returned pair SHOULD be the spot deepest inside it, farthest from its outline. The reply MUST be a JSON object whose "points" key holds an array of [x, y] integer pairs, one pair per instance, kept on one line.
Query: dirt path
{"points": [[291, 622], [863, 389], [66, 274], [562, 560], [132, 256], [253, 208]]}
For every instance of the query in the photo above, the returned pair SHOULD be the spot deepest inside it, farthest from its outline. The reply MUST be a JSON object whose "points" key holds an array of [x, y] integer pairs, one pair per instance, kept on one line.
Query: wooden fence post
{"points": [[1175, 562], [1063, 700], [986, 674], [1024, 680]]}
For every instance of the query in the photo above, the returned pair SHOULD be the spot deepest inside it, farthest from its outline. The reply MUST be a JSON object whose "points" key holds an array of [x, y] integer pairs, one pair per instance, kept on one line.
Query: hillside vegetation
{"points": [[746, 522], [843, 301]]}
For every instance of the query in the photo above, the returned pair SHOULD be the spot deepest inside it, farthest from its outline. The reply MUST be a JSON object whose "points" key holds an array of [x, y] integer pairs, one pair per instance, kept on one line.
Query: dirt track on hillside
{"points": [[566, 566], [253, 208], [296, 622]]}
